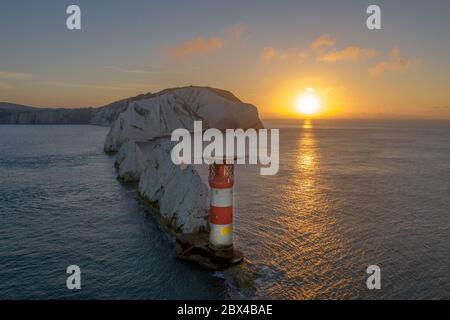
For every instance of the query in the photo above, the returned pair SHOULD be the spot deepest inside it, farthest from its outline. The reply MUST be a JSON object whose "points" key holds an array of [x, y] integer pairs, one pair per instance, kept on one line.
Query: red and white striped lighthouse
{"points": [[221, 181]]}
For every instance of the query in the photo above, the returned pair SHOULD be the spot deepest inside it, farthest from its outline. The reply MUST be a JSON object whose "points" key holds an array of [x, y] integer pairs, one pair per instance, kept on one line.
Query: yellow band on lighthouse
{"points": [[221, 235]]}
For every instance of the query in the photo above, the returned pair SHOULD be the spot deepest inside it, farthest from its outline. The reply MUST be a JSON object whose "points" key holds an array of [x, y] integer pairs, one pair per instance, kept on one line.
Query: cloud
{"points": [[396, 63], [5, 86], [96, 86], [322, 42], [194, 47], [441, 108], [269, 54], [4, 75], [13, 76], [154, 70], [352, 53], [236, 32], [131, 71]]}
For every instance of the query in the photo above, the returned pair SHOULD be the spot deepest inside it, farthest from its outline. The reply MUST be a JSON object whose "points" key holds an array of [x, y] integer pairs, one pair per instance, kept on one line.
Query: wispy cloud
{"points": [[11, 77], [237, 32], [395, 63], [322, 42], [269, 54], [147, 70], [322, 47], [353, 53], [131, 71], [98, 86], [196, 46], [5, 86], [5, 75]]}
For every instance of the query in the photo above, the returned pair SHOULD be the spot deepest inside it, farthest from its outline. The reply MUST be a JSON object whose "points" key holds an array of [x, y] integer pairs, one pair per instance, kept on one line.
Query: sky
{"points": [[268, 53]]}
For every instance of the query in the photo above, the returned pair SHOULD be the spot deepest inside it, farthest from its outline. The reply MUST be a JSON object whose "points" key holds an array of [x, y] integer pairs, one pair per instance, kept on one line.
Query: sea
{"points": [[349, 194]]}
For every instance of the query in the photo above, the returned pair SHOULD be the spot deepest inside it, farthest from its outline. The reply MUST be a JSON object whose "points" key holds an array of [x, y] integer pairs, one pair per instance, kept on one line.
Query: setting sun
{"points": [[307, 104]]}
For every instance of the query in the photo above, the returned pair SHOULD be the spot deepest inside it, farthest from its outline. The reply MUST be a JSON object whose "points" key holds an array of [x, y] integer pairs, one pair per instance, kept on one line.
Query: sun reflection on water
{"points": [[307, 124], [307, 219]]}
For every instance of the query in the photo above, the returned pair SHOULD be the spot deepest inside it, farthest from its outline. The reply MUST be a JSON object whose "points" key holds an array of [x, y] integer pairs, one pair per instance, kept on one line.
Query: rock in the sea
{"points": [[170, 109], [195, 248], [178, 192], [130, 162]]}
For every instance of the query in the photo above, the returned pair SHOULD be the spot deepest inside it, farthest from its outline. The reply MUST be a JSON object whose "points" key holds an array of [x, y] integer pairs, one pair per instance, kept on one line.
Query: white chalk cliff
{"points": [[170, 109], [130, 162], [141, 134], [178, 192]]}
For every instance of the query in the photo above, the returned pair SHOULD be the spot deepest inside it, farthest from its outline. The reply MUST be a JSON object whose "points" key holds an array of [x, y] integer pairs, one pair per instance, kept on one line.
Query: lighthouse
{"points": [[221, 181], [214, 251]]}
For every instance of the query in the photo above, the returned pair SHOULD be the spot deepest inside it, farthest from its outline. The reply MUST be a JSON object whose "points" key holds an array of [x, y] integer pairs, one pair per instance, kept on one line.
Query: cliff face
{"points": [[178, 192], [104, 116], [47, 116], [195, 102], [176, 108], [6, 108], [130, 162]]}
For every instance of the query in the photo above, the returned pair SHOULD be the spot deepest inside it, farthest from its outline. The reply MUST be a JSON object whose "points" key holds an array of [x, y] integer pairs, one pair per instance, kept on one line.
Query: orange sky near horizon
{"points": [[344, 89]]}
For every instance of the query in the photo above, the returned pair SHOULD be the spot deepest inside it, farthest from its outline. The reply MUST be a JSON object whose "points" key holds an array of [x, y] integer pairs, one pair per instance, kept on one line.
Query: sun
{"points": [[307, 104]]}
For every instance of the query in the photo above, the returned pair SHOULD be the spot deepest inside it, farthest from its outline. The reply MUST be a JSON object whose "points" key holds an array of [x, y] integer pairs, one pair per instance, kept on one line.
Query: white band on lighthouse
{"points": [[222, 197]]}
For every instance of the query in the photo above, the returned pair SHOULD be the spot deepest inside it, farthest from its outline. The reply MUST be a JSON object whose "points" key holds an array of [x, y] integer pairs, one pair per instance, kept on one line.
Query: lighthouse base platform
{"points": [[195, 248]]}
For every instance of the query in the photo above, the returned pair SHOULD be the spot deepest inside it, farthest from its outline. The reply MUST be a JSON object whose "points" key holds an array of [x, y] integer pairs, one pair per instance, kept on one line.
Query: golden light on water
{"points": [[306, 237], [307, 158], [307, 124]]}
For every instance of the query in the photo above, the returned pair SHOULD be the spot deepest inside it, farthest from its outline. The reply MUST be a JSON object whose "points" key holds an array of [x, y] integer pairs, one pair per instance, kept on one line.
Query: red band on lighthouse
{"points": [[220, 215], [221, 176]]}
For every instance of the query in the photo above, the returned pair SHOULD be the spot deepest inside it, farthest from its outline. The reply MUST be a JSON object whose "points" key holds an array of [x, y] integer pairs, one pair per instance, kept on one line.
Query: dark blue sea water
{"points": [[60, 204], [349, 194]]}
